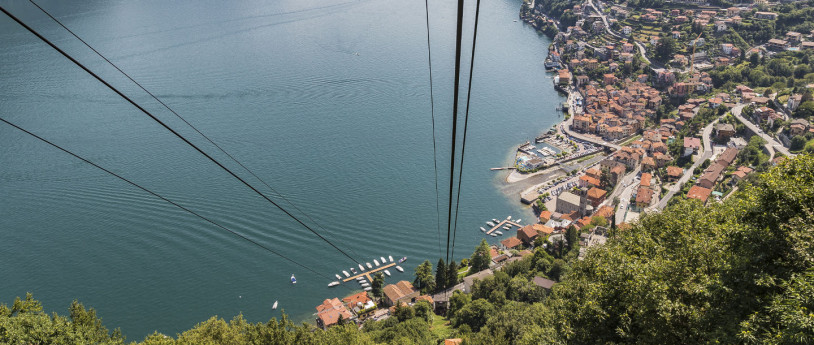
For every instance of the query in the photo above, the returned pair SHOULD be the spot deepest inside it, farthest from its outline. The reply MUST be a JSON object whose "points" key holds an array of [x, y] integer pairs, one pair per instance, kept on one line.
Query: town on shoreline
{"points": [[652, 115]]}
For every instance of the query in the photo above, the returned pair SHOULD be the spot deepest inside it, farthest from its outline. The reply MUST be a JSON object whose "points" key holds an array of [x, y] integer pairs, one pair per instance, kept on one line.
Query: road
{"points": [[676, 187], [624, 190], [771, 143], [566, 128]]}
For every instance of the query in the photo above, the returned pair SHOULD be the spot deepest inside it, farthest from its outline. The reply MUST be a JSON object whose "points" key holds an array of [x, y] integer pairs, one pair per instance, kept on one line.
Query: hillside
{"points": [[735, 272]]}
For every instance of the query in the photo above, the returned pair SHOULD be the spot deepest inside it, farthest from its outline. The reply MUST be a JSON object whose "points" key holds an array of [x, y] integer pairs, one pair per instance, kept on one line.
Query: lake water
{"points": [[327, 101]]}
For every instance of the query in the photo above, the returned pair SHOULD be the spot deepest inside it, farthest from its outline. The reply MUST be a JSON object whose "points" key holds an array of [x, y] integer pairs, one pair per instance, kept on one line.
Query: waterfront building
{"points": [[329, 311], [401, 292]]}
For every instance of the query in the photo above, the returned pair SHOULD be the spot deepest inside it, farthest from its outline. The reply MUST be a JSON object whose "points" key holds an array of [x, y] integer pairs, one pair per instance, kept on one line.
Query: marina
{"points": [[369, 274], [502, 224]]}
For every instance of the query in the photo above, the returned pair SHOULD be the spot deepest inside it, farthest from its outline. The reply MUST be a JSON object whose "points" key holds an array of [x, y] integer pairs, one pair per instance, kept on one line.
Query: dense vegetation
{"points": [[737, 272]]}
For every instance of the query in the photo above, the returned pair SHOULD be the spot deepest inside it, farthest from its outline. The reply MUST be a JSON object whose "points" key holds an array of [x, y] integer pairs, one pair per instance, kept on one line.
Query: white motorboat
{"points": [[518, 220], [368, 288], [274, 306], [390, 257], [495, 220], [498, 233], [482, 229], [509, 218], [387, 272], [375, 262], [369, 266], [383, 260], [493, 234], [490, 224], [360, 278], [365, 284], [333, 284], [507, 227], [361, 267], [403, 259], [352, 270], [346, 273], [399, 268], [338, 276]]}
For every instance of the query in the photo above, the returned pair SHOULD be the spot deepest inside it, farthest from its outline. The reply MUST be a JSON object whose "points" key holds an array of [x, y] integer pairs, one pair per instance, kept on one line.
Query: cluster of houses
{"points": [[613, 113], [713, 173], [356, 307], [792, 40]]}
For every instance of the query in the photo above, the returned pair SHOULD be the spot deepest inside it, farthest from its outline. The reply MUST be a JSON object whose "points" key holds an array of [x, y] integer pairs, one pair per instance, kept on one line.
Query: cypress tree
{"points": [[441, 275]]}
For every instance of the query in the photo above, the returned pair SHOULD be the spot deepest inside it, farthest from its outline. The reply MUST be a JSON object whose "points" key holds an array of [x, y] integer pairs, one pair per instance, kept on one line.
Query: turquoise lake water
{"points": [[327, 101]]}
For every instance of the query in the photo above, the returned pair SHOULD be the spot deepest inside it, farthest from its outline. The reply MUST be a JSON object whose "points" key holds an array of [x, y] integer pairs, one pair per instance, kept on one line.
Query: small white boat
{"points": [[353, 270], [361, 267], [375, 262], [498, 233], [403, 259], [518, 220], [509, 218], [387, 272], [338, 276], [399, 268], [368, 288], [360, 278], [482, 229], [293, 280], [365, 284], [369, 266], [274, 306], [383, 260], [495, 220], [346, 273], [333, 284], [490, 224], [507, 227], [390, 257], [493, 234]]}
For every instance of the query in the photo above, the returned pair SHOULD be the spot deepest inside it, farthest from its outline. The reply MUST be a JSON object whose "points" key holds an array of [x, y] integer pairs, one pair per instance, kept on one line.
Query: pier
{"points": [[500, 225], [367, 274]]}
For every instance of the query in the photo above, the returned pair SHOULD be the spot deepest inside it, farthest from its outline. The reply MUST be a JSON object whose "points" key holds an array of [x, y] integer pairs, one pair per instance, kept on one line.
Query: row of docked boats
{"points": [[494, 222], [362, 280]]}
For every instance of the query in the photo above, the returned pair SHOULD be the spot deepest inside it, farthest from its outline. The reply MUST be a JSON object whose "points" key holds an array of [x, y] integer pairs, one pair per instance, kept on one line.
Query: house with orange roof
{"points": [[700, 193], [402, 291], [329, 312], [545, 216], [510, 243], [596, 196]]}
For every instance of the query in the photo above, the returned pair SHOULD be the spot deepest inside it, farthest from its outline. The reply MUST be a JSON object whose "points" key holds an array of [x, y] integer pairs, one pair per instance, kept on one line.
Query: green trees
{"points": [[377, 285], [440, 275], [424, 280], [452, 274], [474, 314], [797, 143], [480, 258], [666, 48]]}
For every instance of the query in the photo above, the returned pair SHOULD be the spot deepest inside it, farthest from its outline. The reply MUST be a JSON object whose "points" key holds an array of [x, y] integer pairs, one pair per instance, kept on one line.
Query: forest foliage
{"points": [[741, 271]]}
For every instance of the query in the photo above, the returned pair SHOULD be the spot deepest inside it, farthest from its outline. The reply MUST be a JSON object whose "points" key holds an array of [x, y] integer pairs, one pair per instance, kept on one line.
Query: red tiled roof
{"points": [[511, 242], [698, 192]]}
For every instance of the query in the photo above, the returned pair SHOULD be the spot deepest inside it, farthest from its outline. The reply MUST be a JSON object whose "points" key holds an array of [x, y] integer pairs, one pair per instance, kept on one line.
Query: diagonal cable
{"points": [[432, 113], [163, 198], [189, 124], [111, 87], [466, 123], [458, 39]]}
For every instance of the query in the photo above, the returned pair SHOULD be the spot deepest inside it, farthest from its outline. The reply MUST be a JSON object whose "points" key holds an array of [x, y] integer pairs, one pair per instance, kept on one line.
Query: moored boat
{"points": [[369, 266], [346, 273], [274, 306], [333, 284], [368, 288], [338, 276], [375, 262], [361, 267], [482, 229], [383, 260], [490, 224], [390, 257], [509, 218], [403, 259], [498, 233], [493, 234], [518, 220], [387, 272], [495, 220], [353, 270], [507, 227], [399, 268]]}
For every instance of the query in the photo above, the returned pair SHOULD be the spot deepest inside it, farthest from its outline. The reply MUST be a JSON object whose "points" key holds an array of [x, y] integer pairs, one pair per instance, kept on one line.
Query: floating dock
{"points": [[369, 274], [499, 225]]}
